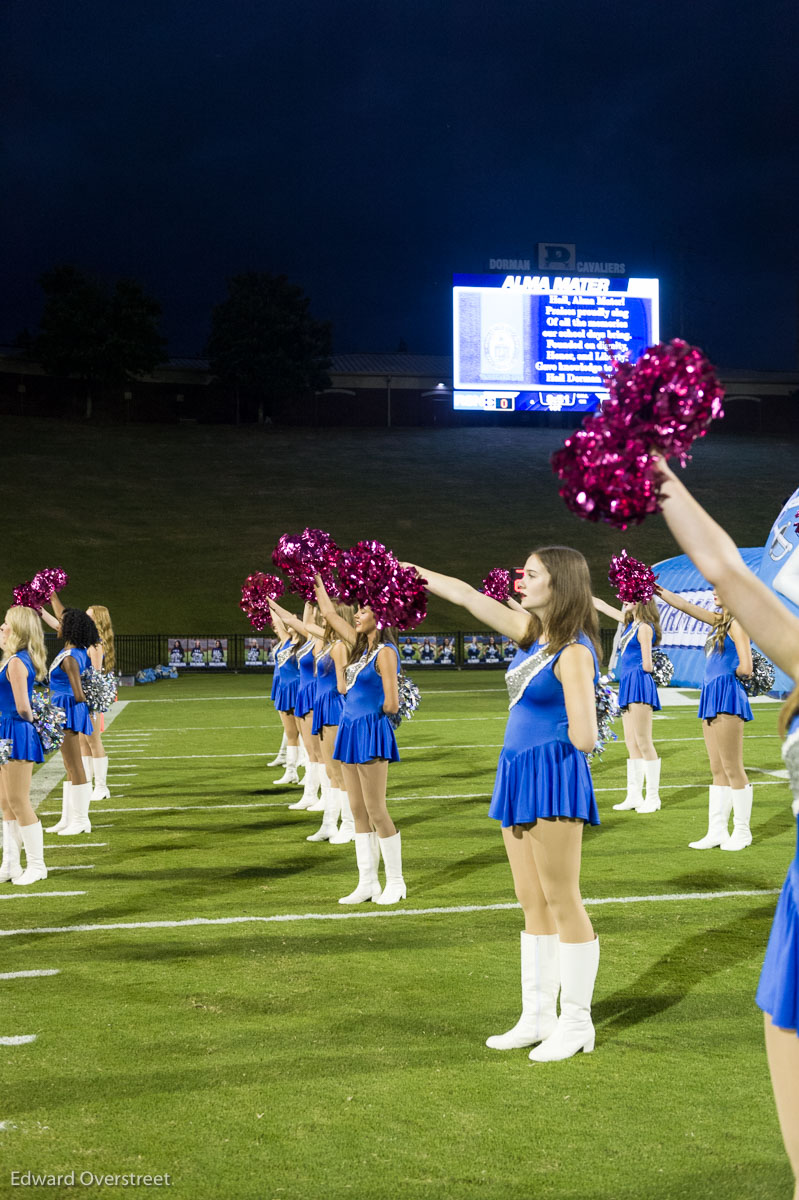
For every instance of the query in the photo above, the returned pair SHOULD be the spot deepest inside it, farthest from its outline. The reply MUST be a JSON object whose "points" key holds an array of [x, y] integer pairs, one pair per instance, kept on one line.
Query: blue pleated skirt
{"points": [[77, 715], [360, 739], [286, 695], [26, 744], [327, 710], [778, 990], [638, 687], [551, 780], [305, 698], [723, 695]]}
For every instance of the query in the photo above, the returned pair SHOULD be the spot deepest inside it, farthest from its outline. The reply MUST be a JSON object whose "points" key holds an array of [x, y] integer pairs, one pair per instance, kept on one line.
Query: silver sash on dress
{"points": [[354, 669], [282, 656], [627, 636], [517, 678], [305, 648], [790, 754], [57, 661]]}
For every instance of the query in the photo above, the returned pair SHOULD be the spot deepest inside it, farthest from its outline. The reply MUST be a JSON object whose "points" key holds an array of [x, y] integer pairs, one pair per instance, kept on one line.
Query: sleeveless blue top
{"points": [[25, 742], [365, 731], [307, 681], [540, 774], [61, 694], [636, 686], [778, 989], [722, 690], [286, 682], [328, 702]]}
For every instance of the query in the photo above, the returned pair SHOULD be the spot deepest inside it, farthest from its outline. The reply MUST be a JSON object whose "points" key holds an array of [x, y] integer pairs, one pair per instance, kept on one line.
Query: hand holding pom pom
{"points": [[632, 581], [256, 592], [497, 584], [662, 403]]}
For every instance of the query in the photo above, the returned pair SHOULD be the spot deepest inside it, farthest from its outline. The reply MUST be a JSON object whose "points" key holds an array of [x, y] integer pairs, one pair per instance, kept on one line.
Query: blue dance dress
{"points": [[62, 696], [276, 671], [365, 731], [287, 678], [306, 692], [25, 742], [636, 686], [722, 690], [540, 773], [778, 990], [329, 702]]}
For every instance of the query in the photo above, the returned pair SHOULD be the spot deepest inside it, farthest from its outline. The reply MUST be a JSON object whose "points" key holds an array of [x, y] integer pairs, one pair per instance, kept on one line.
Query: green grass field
{"points": [[162, 524], [217, 1016]]}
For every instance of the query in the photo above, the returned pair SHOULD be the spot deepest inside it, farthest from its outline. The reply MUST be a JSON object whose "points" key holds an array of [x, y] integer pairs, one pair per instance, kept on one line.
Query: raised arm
{"points": [[328, 611], [615, 613], [289, 619], [58, 607], [714, 553], [693, 610], [492, 613], [49, 619]]}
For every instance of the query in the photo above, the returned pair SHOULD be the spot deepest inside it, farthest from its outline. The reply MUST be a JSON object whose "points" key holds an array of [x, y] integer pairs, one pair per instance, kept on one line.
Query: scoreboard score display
{"points": [[542, 342]]}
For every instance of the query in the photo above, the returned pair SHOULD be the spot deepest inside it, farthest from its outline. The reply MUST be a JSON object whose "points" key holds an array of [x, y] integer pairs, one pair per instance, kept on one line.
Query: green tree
{"points": [[106, 337], [265, 343]]}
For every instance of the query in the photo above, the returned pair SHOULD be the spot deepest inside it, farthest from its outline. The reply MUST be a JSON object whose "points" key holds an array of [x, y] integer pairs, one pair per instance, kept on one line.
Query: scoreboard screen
{"points": [[527, 342]]}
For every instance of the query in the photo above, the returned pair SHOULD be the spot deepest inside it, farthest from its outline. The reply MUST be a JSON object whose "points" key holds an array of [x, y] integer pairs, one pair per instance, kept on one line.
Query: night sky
{"points": [[370, 150]]}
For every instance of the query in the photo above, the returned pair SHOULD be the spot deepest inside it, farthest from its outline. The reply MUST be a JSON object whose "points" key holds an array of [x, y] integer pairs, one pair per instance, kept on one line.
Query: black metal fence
{"points": [[208, 655]]}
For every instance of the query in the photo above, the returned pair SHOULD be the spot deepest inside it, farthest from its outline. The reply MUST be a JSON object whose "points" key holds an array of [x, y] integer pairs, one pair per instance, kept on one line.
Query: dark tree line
{"points": [[263, 342]]}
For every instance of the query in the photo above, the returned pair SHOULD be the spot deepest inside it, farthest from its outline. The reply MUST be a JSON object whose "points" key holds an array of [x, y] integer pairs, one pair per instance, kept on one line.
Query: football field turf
{"points": [[202, 1007]]}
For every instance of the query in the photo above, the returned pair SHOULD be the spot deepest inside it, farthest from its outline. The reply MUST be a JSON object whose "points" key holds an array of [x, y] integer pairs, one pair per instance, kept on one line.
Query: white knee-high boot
{"points": [[101, 791], [719, 805], [65, 810], [540, 984], [33, 840], [368, 886], [323, 784], [329, 817], [579, 962], [310, 787], [11, 867], [346, 831], [652, 777], [741, 835], [395, 889], [635, 784], [80, 799], [280, 758], [290, 774], [87, 767]]}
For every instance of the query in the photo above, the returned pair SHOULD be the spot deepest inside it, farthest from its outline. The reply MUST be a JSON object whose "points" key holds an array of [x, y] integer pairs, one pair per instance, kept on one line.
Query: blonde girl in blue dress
{"points": [[723, 709], [543, 794], [23, 661], [776, 632]]}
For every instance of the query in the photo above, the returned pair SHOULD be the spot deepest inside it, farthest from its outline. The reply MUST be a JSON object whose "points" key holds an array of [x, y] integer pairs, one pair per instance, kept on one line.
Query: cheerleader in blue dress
{"points": [[285, 685], [543, 795], [23, 662], [723, 710], [331, 686], [776, 631], [638, 699], [79, 632], [365, 745]]}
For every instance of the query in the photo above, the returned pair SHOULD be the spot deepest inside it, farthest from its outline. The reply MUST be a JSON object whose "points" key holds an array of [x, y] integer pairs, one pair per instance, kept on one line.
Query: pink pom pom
{"points": [[633, 581], [313, 552], [255, 591], [53, 578], [664, 401], [371, 575], [497, 584], [32, 594]]}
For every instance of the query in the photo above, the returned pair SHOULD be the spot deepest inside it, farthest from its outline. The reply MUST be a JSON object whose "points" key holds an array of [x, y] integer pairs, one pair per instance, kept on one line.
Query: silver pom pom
{"points": [[662, 668], [99, 688], [761, 681]]}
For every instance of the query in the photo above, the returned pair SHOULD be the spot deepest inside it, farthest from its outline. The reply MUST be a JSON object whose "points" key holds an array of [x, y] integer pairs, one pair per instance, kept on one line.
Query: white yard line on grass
{"points": [[75, 845], [88, 867], [21, 895], [283, 918], [28, 974], [22, 1040], [52, 772], [259, 699]]}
